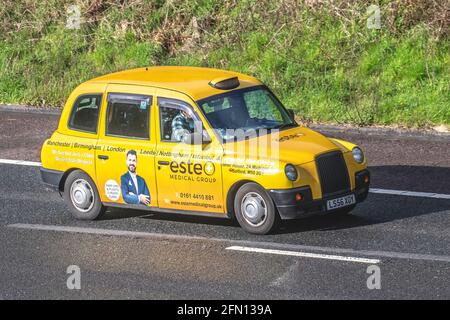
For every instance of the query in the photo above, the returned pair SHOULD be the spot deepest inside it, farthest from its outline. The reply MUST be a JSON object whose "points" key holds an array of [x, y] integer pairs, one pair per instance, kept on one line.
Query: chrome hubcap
{"points": [[82, 195], [254, 209]]}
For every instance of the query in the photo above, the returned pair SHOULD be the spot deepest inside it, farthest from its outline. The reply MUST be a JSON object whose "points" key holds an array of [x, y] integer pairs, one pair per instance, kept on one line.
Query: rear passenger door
{"points": [[125, 149]]}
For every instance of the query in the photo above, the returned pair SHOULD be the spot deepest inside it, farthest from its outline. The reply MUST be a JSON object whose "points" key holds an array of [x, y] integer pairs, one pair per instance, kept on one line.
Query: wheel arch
{"points": [[62, 182], [232, 193]]}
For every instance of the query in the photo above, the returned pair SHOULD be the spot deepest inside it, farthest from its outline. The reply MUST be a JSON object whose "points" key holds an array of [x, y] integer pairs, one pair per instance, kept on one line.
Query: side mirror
{"points": [[291, 113], [196, 138]]}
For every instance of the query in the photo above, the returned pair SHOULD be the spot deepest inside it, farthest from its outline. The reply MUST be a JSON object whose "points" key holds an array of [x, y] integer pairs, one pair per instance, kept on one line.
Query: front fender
{"points": [[344, 145]]}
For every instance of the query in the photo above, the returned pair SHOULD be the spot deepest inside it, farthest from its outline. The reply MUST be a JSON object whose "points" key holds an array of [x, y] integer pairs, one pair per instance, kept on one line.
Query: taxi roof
{"points": [[193, 81]]}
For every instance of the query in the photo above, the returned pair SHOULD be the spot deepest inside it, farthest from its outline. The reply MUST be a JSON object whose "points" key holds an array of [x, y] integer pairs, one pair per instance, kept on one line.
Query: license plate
{"points": [[341, 202]]}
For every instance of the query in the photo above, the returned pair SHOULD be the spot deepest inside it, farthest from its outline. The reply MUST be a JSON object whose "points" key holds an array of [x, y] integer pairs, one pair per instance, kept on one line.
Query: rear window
{"points": [[85, 112]]}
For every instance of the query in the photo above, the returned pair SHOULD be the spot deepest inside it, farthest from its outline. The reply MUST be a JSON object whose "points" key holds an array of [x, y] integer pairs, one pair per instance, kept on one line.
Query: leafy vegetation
{"points": [[319, 57]]}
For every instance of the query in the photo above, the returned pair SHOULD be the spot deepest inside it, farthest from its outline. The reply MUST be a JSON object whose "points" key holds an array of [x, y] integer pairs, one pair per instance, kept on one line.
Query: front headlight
{"points": [[358, 155], [291, 172]]}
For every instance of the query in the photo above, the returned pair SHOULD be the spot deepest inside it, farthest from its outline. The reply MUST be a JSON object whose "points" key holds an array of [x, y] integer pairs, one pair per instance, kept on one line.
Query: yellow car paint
{"points": [[184, 177]]}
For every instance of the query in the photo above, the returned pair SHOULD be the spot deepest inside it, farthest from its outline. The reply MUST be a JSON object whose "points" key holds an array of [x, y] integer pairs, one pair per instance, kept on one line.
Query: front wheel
{"points": [[255, 210], [81, 196]]}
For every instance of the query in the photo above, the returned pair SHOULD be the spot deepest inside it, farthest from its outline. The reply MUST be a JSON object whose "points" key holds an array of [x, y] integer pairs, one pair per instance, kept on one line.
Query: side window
{"points": [[128, 115], [176, 119], [84, 114]]}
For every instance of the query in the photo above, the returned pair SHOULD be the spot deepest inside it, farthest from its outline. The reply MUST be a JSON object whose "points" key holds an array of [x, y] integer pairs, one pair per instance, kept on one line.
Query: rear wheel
{"points": [[255, 210], [81, 196]]}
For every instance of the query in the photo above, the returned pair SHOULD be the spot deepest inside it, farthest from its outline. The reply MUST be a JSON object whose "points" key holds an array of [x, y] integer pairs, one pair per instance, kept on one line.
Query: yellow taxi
{"points": [[197, 141]]}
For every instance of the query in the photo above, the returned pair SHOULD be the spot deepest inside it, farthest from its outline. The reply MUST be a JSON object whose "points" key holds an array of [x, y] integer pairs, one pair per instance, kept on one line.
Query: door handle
{"points": [[102, 157]]}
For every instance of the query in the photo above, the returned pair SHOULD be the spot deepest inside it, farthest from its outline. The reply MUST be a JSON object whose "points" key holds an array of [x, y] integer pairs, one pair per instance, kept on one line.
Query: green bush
{"points": [[318, 56]]}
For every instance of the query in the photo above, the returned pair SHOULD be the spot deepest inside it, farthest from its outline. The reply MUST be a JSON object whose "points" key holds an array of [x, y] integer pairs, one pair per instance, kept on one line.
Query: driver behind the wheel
{"points": [[182, 124]]}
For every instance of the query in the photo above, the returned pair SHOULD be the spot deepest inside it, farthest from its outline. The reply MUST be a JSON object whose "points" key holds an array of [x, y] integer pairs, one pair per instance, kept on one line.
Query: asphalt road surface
{"points": [[144, 255]]}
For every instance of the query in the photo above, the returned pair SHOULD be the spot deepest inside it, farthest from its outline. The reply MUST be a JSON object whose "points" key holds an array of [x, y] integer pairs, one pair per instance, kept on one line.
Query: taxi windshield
{"points": [[248, 110]]}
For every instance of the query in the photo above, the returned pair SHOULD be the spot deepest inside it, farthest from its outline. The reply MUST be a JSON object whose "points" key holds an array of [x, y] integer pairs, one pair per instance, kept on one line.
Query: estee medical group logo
{"points": [[190, 171], [188, 167]]}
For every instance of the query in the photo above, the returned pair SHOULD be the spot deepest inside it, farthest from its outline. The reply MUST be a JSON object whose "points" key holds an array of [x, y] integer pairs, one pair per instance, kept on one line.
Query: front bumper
{"points": [[291, 208]]}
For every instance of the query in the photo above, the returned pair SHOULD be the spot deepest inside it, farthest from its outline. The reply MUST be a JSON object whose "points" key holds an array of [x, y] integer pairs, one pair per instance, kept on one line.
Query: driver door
{"points": [[188, 176]]}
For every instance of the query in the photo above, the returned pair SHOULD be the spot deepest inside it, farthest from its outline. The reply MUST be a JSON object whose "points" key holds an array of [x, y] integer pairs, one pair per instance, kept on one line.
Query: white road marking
{"points": [[20, 162], [246, 243], [304, 254], [371, 190], [410, 193], [103, 232]]}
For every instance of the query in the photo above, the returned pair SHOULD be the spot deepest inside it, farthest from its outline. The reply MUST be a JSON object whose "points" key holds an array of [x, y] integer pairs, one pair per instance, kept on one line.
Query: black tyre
{"points": [[81, 196], [255, 210]]}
